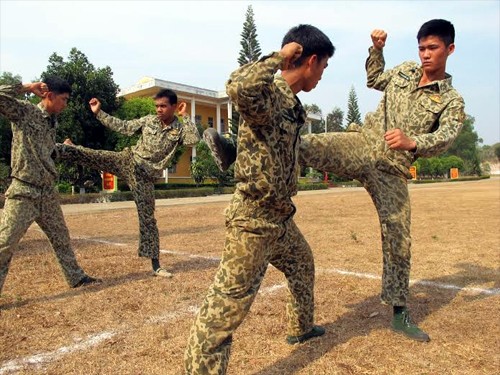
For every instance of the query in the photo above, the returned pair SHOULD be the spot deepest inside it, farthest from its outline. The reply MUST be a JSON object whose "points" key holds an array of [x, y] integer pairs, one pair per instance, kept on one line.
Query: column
{"points": [[217, 118]]}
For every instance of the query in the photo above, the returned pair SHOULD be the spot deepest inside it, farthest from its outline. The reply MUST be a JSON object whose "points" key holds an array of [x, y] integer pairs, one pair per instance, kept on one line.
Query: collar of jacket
{"points": [[47, 115], [292, 101]]}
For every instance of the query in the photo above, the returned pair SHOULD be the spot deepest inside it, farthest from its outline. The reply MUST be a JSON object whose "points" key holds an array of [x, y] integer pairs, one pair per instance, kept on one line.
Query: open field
{"points": [[134, 323]]}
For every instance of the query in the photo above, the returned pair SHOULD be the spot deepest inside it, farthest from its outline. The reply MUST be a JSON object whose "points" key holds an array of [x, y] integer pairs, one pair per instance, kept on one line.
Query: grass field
{"points": [[134, 323]]}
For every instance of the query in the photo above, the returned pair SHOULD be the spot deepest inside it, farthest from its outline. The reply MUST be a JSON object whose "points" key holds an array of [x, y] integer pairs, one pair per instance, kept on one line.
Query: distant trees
{"points": [[334, 120], [466, 148], [353, 113], [77, 121]]}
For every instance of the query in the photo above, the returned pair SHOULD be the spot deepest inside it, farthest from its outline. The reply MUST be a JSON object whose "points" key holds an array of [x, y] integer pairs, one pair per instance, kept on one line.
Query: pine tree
{"points": [[353, 114], [250, 47]]}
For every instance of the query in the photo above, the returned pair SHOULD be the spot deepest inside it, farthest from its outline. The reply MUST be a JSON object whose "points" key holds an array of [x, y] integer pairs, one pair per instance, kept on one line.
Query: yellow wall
{"points": [[182, 173]]}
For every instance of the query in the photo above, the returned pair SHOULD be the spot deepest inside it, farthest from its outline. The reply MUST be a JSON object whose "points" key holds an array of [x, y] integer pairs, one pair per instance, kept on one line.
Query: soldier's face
{"points": [[433, 54], [164, 110], [314, 72], [55, 103]]}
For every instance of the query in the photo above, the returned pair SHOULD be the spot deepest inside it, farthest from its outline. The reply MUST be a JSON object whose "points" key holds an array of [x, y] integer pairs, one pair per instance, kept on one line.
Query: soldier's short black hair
{"points": [[57, 85], [440, 28], [169, 94], [312, 40]]}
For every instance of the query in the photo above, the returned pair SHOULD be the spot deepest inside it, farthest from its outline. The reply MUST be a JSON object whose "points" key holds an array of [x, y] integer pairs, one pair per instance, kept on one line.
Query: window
{"points": [[172, 169], [222, 126], [210, 122], [197, 119]]}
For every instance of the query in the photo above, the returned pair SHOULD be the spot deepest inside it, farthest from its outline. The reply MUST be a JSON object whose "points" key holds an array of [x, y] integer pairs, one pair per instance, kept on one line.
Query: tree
{"points": [[250, 47], [77, 121], [466, 148], [6, 78], [497, 150], [204, 167], [334, 120], [129, 110], [317, 126], [353, 114], [250, 51]]}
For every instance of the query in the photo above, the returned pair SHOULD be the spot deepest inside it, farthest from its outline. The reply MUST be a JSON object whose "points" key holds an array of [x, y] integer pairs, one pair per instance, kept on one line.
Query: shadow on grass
{"points": [[359, 324], [92, 288]]}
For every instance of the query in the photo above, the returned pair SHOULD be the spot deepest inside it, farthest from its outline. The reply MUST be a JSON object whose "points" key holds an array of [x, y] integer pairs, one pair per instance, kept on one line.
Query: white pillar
{"points": [[193, 119], [229, 116], [309, 125], [219, 129]]}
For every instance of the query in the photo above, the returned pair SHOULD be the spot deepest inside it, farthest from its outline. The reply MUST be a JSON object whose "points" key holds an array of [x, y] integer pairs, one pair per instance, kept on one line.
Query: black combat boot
{"points": [[223, 149], [316, 331]]}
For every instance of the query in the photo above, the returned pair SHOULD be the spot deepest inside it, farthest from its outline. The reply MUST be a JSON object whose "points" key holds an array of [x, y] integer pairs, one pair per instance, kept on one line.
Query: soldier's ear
{"points": [[451, 48]]}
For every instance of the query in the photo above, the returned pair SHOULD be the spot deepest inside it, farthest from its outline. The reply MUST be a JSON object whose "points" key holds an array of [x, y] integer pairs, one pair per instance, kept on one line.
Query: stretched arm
{"points": [[375, 63], [127, 127]]}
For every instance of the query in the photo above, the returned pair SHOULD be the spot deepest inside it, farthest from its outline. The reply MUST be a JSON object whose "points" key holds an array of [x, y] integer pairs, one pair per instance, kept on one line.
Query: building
{"points": [[209, 108]]}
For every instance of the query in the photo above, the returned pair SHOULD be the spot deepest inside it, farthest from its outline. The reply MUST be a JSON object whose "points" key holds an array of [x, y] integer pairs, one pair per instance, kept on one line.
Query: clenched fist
{"points": [[378, 38], [290, 52]]}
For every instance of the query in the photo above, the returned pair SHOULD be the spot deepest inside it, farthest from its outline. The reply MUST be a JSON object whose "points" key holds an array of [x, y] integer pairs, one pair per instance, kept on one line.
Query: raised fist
{"points": [[290, 52], [378, 38]]}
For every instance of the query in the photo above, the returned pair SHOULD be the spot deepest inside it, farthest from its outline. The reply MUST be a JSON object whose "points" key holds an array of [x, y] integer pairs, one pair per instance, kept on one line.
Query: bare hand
{"points": [[95, 105], [68, 141], [38, 88], [181, 109], [290, 52], [397, 140], [378, 38]]}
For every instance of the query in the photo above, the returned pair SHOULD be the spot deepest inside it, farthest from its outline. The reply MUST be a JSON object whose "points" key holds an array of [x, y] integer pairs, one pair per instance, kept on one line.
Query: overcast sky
{"points": [[198, 43]]}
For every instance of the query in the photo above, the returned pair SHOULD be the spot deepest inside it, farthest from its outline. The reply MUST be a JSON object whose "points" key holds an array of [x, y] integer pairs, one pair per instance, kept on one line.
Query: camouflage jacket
{"points": [[432, 115], [33, 138], [157, 143], [268, 138]]}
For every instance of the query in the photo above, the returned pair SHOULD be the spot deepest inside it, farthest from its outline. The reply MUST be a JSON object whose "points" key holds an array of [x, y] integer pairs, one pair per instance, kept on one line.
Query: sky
{"points": [[198, 42]]}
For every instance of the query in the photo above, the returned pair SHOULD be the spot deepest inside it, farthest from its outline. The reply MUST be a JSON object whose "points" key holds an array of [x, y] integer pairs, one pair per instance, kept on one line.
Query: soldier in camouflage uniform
{"points": [[161, 134], [32, 195], [259, 220], [420, 114]]}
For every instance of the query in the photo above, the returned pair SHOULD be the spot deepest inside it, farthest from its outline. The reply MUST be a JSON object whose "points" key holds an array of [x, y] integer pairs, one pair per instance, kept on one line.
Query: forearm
{"points": [[127, 127], [190, 136], [374, 65], [251, 87], [9, 104]]}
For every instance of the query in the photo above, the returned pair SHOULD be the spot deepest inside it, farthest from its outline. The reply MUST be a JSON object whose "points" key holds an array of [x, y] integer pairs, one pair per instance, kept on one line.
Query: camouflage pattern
{"points": [[157, 144], [138, 165], [259, 220], [32, 195], [432, 115]]}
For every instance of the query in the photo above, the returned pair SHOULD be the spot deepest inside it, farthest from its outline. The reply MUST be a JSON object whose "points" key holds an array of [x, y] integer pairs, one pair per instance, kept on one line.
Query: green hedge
{"points": [[465, 178]]}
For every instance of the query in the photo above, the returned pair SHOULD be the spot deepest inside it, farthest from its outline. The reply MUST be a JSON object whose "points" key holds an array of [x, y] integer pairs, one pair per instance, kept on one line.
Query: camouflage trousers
{"points": [[360, 156], [139, 180], [25, 204], [253, 241]]}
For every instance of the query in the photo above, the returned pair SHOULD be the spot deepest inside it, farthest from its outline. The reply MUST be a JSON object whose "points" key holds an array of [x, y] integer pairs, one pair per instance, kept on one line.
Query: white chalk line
{"points": [[96, 339], [40, 359], [362, 275]]}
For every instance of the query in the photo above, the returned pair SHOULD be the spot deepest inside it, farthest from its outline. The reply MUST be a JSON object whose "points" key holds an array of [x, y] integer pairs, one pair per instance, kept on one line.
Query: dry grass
{"points": [[134, 323]]}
